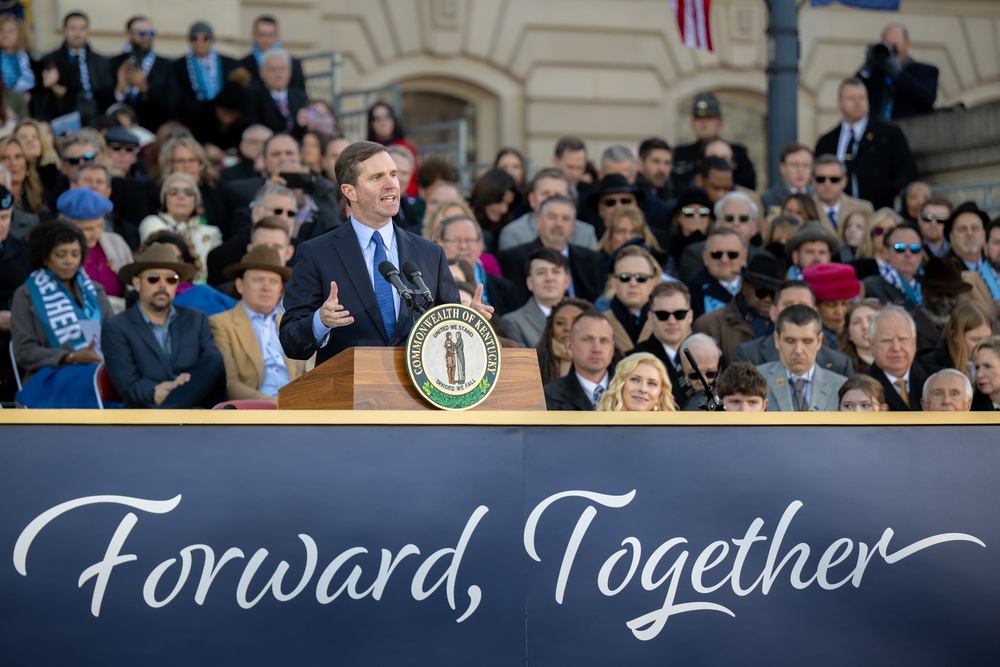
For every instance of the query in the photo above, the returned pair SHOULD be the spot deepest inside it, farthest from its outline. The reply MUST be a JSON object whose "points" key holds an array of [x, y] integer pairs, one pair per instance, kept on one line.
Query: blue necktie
{"points": [[383, 290]]}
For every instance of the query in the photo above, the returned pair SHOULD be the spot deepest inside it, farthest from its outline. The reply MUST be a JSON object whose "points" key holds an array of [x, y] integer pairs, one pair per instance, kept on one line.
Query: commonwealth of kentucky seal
{"points": [[453, 357]]}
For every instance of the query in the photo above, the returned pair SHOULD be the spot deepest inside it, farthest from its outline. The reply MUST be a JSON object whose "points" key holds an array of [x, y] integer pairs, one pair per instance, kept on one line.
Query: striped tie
{"points": [[383, 290]]}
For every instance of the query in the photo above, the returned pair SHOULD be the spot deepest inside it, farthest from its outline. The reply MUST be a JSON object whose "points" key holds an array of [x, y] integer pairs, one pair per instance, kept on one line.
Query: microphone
{"points": [[714, 403], [391, 274], [412, 272]]}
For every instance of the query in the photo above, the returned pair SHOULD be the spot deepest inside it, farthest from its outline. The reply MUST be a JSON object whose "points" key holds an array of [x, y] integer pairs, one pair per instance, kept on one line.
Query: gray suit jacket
{"points": [[525, 324], [779, 389], [523, 230], [761, 350]]}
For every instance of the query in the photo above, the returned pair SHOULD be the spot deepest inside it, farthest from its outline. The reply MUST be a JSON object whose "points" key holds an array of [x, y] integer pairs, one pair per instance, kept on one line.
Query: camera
{"points": [[882, 51]]}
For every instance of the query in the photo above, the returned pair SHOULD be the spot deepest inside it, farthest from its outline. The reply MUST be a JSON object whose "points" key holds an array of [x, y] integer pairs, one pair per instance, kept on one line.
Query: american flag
{"points": [[693, 22]]}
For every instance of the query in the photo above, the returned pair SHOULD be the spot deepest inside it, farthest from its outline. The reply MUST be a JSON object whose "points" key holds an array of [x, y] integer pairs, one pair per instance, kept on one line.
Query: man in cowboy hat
{"points": [[160, 355], [812, 244], [941, 285], [747, 316], [247, 335], [835, 286]]}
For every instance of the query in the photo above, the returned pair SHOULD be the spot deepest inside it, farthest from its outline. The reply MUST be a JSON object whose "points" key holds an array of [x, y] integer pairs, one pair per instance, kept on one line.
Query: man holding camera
{"points": [[898, 87]]}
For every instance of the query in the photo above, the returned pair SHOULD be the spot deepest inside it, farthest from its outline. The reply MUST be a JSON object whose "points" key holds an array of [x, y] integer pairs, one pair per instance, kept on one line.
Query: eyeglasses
{"points": [[154, 278], [878, 231], [709, 375], [146, 33], [287, 212], [939, 219], [77, 161], [664, 315], [731, 254], [914, 248], [832, 179], [185, 160], [613, 201], [173, 192], [627, 277], [383, 116], [128, 148], [690, 212], [733, 218]]}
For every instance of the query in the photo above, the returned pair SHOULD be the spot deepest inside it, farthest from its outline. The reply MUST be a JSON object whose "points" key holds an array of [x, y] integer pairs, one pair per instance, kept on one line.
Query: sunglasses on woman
{"points": [[690, 212], [173, 192], [154, 278]]}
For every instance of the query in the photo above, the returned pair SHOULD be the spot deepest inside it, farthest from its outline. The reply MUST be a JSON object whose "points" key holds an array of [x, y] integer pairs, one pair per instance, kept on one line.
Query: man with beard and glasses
{"points": [[159, 355]]}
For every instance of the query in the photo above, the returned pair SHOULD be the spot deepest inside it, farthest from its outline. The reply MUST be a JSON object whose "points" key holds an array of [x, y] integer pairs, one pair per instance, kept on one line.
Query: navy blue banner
{"points": [[466, 545]]}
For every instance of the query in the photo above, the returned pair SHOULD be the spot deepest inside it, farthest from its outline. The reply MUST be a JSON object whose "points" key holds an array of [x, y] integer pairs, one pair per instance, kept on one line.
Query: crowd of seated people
{"points": [[150, 210]]}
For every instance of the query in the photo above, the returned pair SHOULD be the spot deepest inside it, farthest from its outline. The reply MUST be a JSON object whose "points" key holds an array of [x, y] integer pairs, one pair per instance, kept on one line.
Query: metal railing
{"points": [[986, 195], [352, 108], [322, 73], [448, 140]]}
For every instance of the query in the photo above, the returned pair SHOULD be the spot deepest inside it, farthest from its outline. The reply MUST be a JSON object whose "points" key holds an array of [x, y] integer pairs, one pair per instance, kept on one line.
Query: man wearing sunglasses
{"points": [[618, 166], [159, 355], [723, 255], [830, 180], [747, 316], [934, 213], [736, 211], [634, 276], [123, 149], [670, 314], [896, 282], [144, 80]]}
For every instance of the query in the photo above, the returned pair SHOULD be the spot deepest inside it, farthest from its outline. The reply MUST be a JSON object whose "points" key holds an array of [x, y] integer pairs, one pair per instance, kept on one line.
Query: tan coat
{"points": [[622, 340], [241, 353]]}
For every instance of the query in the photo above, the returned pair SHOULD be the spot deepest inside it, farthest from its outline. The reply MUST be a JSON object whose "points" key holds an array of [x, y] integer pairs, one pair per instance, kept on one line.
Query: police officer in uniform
{"points": [[706, 122]]}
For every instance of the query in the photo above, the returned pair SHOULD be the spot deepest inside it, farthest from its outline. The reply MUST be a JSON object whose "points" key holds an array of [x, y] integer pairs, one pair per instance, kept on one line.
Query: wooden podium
{"points": [[375, 378]]}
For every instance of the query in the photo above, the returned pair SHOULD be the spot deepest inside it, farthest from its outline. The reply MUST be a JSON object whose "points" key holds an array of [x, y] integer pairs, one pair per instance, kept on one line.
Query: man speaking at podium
{"points": [[337, 298]]}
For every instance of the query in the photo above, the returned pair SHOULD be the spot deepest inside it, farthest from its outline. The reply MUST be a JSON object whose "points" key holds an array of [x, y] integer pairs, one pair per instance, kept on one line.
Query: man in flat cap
{"points": [[159, 355], [247, 335], [706, 123]]}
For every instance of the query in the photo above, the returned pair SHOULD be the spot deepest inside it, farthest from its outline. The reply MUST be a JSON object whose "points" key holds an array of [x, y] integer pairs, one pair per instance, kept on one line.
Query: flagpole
{"points": [[782, 81]]}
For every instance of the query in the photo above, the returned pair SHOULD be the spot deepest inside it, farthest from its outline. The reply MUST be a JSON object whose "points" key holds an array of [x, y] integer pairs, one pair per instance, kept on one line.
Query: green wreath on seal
{"points": [[444, 400]]}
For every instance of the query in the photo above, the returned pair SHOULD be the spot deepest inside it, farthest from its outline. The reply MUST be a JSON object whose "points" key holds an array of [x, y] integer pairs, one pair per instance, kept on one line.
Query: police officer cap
{"points": [[706, 105]]}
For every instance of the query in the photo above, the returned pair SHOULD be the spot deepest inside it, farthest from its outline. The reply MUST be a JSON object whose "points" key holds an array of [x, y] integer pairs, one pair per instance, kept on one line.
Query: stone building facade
{"points": [[611, 71]]}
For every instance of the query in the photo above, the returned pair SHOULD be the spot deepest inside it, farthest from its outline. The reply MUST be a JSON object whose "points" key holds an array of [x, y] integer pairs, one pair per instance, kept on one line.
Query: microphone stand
{"points": [[714, 403]]}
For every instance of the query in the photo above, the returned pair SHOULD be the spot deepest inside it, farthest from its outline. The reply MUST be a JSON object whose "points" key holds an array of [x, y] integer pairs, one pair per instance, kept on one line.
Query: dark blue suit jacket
{"points": [[336, 256], [136, 363]]}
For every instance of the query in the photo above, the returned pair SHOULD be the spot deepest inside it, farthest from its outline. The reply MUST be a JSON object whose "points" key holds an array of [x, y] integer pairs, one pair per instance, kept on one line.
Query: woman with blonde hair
{"points": [[38, 148], [627, 223], [640, 384], [447, 209], [986, 359], [872, 253], [968, 325], [25, 184]]}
